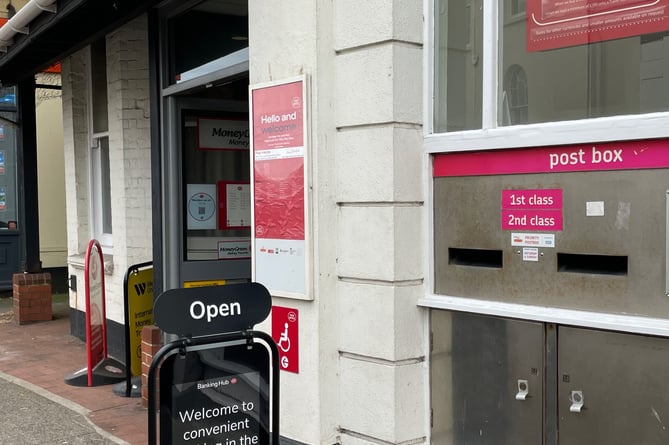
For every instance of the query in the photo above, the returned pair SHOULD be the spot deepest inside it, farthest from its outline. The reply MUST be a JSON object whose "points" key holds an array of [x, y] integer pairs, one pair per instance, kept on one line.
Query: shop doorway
{"points": [[205, 175]]}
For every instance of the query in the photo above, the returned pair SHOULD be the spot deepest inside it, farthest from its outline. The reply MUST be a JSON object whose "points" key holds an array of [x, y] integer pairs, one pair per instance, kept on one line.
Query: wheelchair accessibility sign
{"points": [[285, 332]]}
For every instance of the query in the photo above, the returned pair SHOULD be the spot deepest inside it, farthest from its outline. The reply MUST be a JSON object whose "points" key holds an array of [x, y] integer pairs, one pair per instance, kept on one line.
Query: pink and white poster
{"points": [[279, 193], [560, 23]]}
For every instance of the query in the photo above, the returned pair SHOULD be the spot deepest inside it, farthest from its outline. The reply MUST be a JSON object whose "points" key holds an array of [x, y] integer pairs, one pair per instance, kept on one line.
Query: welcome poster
{"points": [[279, 192]]}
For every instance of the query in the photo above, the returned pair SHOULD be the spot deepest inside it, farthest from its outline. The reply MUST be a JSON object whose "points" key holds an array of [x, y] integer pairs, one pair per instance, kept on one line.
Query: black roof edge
{"points": [[53, 37]]}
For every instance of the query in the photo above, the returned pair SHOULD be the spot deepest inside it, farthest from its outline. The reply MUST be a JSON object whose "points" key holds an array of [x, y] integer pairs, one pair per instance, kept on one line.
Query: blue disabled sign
{"points": [[199, 311]]}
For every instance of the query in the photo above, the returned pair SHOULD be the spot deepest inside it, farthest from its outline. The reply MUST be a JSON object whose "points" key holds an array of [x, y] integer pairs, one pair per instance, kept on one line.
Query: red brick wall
{"points": [[32, 297], [152, 341]]}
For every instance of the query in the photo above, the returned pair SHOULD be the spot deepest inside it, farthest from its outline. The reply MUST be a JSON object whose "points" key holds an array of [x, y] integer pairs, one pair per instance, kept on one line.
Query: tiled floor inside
{"points": [[45, 353]]}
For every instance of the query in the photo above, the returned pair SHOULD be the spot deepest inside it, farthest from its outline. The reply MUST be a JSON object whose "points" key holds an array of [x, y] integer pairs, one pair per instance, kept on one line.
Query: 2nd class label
{"points": [[526, 219]]}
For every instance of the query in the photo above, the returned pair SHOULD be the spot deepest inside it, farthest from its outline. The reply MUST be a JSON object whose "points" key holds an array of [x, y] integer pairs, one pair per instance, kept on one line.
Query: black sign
{"points": [[212, 310], [217, 395]]}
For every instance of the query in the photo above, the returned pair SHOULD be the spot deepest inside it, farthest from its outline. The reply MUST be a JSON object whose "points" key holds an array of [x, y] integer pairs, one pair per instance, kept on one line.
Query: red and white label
{"points": [[285, 332], [560, 23]]}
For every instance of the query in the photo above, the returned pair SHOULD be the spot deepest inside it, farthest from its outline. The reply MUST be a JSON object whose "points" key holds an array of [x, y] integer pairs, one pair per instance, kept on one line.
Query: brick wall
{"points": [[130, 158], [32, 297], [151, 343]]}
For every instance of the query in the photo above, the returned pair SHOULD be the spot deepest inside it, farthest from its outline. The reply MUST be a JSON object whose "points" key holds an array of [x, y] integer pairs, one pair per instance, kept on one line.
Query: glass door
{"points": [[215, 191]]}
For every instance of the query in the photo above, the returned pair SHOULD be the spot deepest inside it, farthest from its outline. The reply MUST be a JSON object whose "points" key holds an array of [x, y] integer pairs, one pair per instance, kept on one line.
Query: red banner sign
{"points": [[559, 23], [285, 330], [96, 326]]}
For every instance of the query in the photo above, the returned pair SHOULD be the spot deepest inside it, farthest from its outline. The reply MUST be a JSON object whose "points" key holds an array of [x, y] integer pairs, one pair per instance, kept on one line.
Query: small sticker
{"points": [[594, 208], [532, 239], [530, 254]]}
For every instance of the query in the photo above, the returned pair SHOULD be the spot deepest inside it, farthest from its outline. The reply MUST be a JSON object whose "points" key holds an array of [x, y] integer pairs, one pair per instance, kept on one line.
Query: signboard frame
{"points": [[96, 348], [280, 152], [182, 312], [100, 368], [137, 286], [231, 380]]}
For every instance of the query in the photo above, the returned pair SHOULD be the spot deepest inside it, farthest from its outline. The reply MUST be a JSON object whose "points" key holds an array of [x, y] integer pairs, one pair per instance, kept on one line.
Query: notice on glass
{"points": [[201, 206], [560, 23], [222, 134], [234, 206], [279, 147]]}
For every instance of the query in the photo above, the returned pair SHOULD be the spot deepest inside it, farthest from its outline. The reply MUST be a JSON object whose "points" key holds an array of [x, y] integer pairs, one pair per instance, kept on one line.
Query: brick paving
{"points": [[44, 353]]}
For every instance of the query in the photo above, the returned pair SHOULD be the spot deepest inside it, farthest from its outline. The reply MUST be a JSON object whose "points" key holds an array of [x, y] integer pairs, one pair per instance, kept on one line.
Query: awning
{"points": [[53, 36]]}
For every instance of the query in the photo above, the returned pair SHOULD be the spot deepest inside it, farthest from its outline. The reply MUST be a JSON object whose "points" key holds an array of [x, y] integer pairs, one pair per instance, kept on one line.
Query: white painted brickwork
{"points": [[130, 158], [130, 153]]}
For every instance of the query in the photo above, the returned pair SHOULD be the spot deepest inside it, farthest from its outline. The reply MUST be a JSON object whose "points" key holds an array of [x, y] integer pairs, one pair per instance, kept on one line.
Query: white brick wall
{"points": [[130, 158], [130, 153], [75, 144]]}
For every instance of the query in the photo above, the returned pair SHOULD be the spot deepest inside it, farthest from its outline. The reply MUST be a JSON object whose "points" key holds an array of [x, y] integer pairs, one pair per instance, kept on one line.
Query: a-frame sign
{"points": [[219, 381]]}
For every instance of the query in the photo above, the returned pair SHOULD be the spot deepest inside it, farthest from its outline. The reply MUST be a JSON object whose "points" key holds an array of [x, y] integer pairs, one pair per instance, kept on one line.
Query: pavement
{"points": [[38, 407]]}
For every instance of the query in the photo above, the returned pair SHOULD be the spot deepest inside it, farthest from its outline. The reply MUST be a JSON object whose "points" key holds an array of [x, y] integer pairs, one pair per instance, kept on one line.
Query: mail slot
{"points": [[518, 226]]}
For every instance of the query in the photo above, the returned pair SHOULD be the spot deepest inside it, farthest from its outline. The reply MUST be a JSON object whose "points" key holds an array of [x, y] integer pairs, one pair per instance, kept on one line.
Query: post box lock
{"points": [[576, 400], [523, 390]]}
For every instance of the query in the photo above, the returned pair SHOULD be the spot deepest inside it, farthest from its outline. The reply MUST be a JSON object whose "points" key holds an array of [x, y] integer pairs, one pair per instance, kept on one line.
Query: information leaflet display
{"points": [[216, 395]]}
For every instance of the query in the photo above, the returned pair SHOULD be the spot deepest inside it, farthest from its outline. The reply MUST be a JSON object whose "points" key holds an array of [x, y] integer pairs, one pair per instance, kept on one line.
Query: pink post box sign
{"points": [[605, 156]]}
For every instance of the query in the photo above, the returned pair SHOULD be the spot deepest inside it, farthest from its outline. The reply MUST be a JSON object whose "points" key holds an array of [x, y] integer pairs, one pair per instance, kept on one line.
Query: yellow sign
{"points": [[204, 283], [140, 314]]}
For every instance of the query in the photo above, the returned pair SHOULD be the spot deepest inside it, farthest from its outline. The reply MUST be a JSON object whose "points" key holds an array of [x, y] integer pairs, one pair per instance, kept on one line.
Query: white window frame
{"points": [[96, 201], [494, 136]]}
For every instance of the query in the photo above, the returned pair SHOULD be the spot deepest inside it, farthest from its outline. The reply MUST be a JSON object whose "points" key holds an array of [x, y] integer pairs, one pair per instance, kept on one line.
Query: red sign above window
{"points": [[559, 23]]}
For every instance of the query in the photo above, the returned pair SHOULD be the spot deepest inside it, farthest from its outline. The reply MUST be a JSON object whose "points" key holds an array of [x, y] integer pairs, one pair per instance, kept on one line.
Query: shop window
{"points": [[517, 7], [458, 64], [514, 96], [100, 187], [9, 161], [581, 60]]}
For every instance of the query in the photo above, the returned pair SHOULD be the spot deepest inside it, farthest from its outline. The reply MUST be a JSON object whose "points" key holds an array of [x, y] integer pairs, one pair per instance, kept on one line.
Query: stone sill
{"points": [[78, 261]]}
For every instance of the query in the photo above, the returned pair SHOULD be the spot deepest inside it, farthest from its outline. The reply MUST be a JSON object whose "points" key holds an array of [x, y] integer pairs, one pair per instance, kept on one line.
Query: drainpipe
{"points": [[20, 21]]}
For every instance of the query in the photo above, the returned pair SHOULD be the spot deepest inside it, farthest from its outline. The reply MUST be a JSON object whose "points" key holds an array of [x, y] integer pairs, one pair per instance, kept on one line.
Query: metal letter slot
{"points": [[523, 390], [576, 401]]}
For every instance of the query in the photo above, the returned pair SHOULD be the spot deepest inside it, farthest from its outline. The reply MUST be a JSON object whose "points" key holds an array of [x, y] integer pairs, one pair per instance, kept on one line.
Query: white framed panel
{"points": [[280, 187]]}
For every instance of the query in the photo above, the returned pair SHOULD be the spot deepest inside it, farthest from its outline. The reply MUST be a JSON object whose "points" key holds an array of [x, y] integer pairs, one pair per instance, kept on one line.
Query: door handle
{"points": [[523, 390], [576, 400]]}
